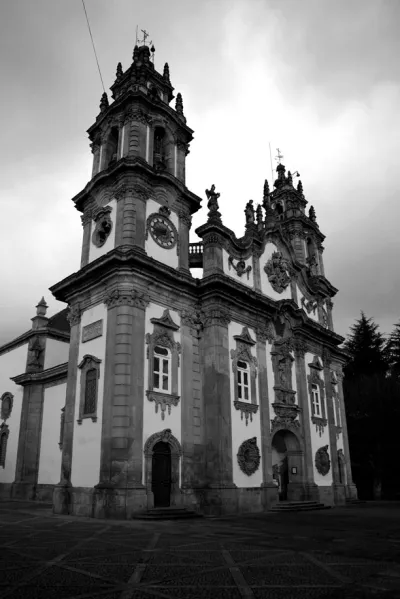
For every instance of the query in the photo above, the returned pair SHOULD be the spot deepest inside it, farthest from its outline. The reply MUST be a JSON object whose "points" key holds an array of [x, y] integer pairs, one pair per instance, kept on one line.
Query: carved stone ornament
{"points": [[165, 321], [74, 314], [212, 205], [266, 332], [240, 267], [322, 461], [278, 272], [126, 297], [162, 229], [320, 424], [246, 409], [7, 401], [165, 436], [216, 316], [103, 226], [286, 416], [35, 354], [163, 401], [193, 319], [185, 218], [310, 305], [248, 456], [300, 347]]}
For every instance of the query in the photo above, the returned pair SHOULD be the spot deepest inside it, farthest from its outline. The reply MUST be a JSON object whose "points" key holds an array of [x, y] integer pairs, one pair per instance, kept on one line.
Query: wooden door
{"points": [[161, 474]]}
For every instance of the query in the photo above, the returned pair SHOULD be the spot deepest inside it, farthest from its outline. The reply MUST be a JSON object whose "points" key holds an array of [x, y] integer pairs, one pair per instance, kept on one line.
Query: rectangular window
{"points": [[243, 381], [90, 392], [162, 370], [316, 401]]}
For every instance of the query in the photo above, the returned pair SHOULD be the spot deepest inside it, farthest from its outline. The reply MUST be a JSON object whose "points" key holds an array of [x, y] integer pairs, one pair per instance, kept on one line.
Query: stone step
{"points": [[355, 501], [299, 506], [167, 514]]}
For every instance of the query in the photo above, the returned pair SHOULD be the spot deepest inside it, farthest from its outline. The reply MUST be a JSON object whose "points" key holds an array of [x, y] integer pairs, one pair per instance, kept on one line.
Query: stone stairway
{"points": [[167, 513], [298, 506]]}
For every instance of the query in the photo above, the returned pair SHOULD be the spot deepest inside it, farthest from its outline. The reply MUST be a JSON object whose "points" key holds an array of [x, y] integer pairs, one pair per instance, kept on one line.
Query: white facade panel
{"points": [[50, 453]]}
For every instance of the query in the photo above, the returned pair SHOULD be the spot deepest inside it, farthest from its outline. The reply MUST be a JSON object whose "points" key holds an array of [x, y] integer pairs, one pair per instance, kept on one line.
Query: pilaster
{"points": [[351, 489], [61, 496], [185, 222], [212, 255], [187, 415], [326, 359], [87, 229]]}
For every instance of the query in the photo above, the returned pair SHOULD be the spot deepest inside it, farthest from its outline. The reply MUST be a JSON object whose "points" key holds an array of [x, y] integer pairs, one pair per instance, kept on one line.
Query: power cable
{"points": [[94, 49]]}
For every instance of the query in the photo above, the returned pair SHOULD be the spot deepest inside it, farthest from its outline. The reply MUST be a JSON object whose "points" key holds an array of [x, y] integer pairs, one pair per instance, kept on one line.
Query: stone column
{"points": [[185, 222], [120, 491], [269, 491], [256, 271], [186, 403], [62, 494], [96, 159], [182, 149], [350, 486], [300, 349], [221, 496], [338, 490], [212, 255], [86, 219], [329, 306], [30, 434]]}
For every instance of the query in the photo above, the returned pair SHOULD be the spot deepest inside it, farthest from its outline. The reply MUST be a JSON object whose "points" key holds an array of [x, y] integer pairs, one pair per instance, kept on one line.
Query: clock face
{"points": [[163, 231]]}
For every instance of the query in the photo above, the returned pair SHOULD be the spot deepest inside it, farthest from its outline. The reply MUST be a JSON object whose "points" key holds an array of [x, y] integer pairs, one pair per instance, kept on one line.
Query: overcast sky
{"points": [[319, 79]]}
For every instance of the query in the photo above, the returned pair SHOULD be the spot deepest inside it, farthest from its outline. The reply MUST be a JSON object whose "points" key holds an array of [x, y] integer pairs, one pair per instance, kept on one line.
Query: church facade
{"points": [[154, 388]]}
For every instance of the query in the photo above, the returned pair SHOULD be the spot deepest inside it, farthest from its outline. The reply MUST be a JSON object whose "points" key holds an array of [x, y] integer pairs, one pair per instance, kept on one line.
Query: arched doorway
{"points": [[287, 465], [161, 474]]}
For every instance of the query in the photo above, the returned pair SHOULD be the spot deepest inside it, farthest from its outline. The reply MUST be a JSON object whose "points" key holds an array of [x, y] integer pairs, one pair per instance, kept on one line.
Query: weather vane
{"points": [[279, 156], [145, 36]]}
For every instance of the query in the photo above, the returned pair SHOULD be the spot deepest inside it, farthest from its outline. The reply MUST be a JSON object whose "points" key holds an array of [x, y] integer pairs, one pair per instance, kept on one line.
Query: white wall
{"points": [[11, 364], [231, 272], [241, 432], [95, 252], [166, 256], [318, 441], [152, 422], [56, 353], [266, 287], [87, 436], [50, 453]]}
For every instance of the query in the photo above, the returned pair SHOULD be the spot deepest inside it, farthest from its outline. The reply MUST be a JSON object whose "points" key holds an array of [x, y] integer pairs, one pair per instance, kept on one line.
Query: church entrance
{"points": [[161, 474], [287, 465]]}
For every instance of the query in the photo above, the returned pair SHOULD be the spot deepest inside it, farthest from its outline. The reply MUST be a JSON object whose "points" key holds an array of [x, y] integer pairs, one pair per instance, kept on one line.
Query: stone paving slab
{"points": [[334, 554]]}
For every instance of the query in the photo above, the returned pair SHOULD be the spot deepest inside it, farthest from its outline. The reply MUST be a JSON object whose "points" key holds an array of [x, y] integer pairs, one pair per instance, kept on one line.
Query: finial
{"points": [[259, 214], [135, 56], [266, 193], [179, 104], [249, 212], [166, 72], [311, 214], [300, 188], [289, 178], [104, 102], [212, 205], [119, 72], [41, 307]]}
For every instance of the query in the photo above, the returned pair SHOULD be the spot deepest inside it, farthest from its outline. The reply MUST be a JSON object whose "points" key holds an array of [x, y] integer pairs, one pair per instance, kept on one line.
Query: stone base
{"points": [[269, 495], [351, 491], [296, 492], [326, 495], [44, 493], [218, 501], [5, 490], [116, 503], [62, 499], [23, 491], [249, 500], [339, 494], [311, 492]]}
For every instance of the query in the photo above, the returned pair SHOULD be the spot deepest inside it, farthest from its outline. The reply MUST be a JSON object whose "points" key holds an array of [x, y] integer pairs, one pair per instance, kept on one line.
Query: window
{"points": [[112, 147], [316, 402], [162, 369], [159, 148], [4, 432], [243, 380], [90, 392]]}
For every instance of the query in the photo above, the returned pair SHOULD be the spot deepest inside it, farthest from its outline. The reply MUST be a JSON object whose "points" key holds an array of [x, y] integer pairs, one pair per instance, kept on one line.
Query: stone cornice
{"points": [[25, 337], [134, 166], [50, 375]]}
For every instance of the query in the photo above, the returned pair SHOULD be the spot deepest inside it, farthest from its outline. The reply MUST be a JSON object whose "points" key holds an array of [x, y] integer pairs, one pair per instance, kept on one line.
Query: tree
{"points": [[365, 346], [392, 350]]}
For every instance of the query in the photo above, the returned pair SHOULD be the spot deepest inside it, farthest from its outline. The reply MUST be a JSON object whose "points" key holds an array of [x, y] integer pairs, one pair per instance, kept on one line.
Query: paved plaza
{"points": [[343, 552]]}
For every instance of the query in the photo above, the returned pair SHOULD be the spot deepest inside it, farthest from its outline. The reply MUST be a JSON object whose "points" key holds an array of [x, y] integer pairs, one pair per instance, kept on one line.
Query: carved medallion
{"points": [[322, 461], [103, 227], [278, 272], [162, 229], [240, 267], [249, 456]]}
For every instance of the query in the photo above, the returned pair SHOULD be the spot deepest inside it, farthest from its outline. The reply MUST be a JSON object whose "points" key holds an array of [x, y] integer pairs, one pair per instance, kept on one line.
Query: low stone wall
{"points": [[249, 500], [326, 495], [5, 490]]}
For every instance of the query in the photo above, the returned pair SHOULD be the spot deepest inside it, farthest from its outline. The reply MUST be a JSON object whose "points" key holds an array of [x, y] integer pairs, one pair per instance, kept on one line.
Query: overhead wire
{"points": [[94, 48]]}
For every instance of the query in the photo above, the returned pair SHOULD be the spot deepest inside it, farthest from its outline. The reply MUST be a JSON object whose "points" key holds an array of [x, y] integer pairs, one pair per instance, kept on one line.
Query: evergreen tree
{"points": [[365, 346], [392, 350]]}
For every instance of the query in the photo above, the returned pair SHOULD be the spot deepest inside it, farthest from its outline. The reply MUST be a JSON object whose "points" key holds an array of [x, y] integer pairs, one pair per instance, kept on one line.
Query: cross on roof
{"points": [[145, 35]]}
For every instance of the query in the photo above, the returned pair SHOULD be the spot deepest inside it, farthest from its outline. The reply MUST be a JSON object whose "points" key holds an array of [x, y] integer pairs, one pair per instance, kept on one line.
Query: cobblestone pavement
{"points": [[344, 552]]}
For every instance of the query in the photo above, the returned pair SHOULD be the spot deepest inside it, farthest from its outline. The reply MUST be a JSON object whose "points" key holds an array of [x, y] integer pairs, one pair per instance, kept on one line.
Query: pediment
{"points": [[165, 321], [245, 337]]}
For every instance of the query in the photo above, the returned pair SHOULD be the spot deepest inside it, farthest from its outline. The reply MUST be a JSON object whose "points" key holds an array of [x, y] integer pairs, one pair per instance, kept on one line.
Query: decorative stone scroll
{"points": [[92, 331], [126, 297], [310, 305], [240, 267], [278, 272], [103, 226], [163, 401], [248, 456], [74, 314], [7, 401], [286, 417], [266, 332], [322, 461], [246, 409], [320, 424]]}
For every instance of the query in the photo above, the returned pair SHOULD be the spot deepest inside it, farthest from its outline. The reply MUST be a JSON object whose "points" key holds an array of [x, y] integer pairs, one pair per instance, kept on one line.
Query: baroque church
{"points": [[153, 388]]}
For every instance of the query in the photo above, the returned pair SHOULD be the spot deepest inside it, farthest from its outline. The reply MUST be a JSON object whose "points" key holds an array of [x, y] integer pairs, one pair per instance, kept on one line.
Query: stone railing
{"points": [[196, 255]]}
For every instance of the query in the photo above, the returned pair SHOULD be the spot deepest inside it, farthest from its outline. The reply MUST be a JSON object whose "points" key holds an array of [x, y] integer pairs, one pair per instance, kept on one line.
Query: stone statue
{"points": [[313, 266], [212, 204], [249, 212]]}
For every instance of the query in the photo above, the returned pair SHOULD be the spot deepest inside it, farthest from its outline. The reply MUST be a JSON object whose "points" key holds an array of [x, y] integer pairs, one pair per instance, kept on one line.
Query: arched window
{"points": [[243, 383], [159, 148], [310, 248], [112, 147], [162, 369], [279, 208]]}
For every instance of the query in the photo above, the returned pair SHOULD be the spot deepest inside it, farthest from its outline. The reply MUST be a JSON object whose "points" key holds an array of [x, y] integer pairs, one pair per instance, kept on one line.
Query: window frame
{"points": [[243, 386], [87, 364], [4, 434], [320, 420], [162, 358]]}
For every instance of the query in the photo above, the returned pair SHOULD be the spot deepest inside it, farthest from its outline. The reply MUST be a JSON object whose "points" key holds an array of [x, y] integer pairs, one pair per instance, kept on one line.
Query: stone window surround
{"points": [[314, 378], [4, 434], [163, 336], [7, 401], [88, 362], [242, 353]]}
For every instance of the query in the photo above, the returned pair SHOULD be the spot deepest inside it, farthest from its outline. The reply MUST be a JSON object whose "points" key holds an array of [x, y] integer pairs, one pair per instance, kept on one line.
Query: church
{"points": [[154, 388]]}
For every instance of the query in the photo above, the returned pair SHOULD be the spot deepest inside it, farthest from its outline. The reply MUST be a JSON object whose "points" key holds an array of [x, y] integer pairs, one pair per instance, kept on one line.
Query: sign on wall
{"points": [[93, 330]]}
